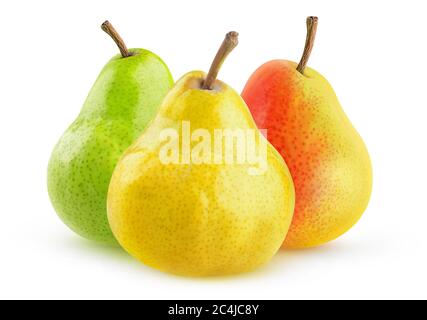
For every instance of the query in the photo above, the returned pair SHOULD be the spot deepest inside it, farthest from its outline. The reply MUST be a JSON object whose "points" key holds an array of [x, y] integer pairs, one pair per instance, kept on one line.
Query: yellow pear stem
{"points": [[312, 23], [109, 29], [230, 42]]}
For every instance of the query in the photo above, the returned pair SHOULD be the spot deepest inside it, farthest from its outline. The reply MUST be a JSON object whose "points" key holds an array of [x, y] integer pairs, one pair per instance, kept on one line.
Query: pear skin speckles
{"points": [[199, 220], [328, 160]]}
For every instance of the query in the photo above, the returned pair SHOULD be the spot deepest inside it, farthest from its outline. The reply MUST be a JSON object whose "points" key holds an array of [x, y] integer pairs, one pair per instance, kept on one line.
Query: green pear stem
{"points": [[312, 23], [230, 42], [109, 29]]}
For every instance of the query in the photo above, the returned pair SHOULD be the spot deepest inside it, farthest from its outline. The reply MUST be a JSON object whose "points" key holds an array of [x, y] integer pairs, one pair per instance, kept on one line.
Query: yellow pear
{"points": [[202, 192]]}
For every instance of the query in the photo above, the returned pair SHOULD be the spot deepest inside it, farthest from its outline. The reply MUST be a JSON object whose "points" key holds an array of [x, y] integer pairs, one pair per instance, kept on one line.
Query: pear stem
{"points": [[230, 42], [108, 28], [312, 23]]}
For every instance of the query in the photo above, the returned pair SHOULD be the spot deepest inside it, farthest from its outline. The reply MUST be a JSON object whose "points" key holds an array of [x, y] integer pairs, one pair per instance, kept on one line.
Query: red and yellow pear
{"points": [[328, 160]]}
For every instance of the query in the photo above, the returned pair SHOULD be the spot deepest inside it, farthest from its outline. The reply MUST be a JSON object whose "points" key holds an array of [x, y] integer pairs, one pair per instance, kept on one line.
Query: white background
{"points": [[374, 54]]}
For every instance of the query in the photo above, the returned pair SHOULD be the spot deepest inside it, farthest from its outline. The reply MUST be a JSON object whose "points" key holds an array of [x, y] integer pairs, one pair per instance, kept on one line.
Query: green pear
{"points": [[123, 100]]}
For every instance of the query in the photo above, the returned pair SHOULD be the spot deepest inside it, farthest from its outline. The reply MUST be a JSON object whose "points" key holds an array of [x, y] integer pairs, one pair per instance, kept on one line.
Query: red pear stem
{"points": [[312, 23], [109, 29], [230, 42]]}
